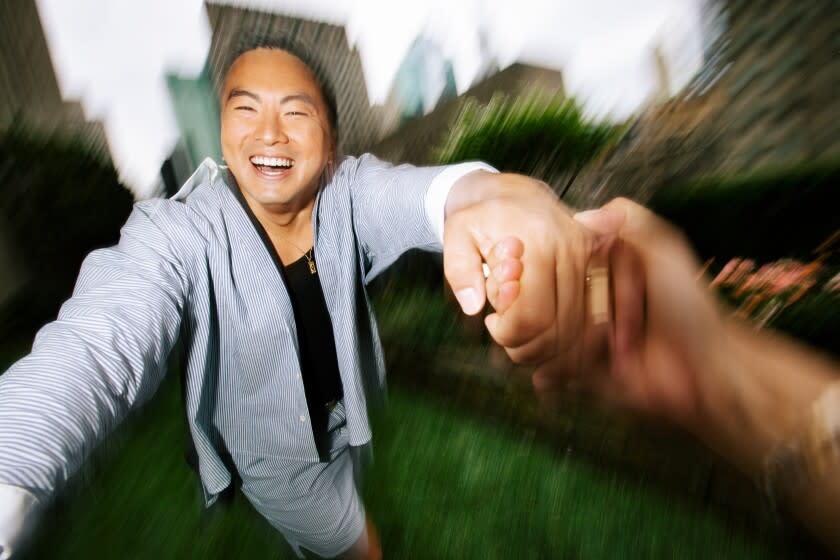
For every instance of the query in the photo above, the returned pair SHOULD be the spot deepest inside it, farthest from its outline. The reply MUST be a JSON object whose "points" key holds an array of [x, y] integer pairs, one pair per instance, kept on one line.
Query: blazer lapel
{"points": [[257, 248]]}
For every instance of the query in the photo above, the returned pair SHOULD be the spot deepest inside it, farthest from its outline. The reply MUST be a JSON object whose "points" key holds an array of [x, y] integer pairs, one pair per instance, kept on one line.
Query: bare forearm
{"points": [[766, 386], [756, 398]]}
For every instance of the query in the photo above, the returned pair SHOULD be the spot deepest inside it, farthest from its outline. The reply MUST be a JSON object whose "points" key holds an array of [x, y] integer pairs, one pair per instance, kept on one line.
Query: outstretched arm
{"points": [[104, 354], [764, 402]]}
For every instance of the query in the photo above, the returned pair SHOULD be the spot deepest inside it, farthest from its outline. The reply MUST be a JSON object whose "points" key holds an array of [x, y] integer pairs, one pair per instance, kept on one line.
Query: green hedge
{"points": [[57, 203], [538, 134], [767, 216]]}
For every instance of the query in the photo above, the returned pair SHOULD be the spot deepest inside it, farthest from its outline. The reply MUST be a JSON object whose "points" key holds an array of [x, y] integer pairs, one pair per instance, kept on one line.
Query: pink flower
{"points": [[744, 267], [723, 275]]}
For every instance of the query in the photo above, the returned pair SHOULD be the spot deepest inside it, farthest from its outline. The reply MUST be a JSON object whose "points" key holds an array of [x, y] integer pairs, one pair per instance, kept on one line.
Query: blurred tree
{"points": [[789, 212], [539, 134], [57, 203]]}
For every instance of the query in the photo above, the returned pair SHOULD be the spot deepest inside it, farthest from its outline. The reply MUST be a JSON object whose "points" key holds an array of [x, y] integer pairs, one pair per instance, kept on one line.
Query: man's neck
{"points": [[285, 221], [289, 227]]}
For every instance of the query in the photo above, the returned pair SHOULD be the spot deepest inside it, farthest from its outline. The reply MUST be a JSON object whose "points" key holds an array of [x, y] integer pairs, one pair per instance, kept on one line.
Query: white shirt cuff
{"points": [[16, 505], [439, 191]]}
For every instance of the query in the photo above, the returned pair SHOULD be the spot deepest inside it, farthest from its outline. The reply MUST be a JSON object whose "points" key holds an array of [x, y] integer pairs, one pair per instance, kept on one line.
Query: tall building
{"points": [[765, 97], [29, 95], [781, 82], [30, 102], [196, 109], [424, 79]]}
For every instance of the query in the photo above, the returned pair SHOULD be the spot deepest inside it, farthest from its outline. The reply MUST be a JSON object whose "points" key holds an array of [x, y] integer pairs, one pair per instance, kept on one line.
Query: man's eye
{"points": [[244, 108], [296, 113]]}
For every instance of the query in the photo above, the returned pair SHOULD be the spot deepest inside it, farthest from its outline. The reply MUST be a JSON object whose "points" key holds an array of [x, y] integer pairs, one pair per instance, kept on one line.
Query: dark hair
{"points": [[248, 41]]}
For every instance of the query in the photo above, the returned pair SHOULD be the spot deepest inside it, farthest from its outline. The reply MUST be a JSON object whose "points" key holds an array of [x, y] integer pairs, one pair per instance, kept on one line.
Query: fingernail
{"points": [[490, 321], [588, 217], [468, 300]]}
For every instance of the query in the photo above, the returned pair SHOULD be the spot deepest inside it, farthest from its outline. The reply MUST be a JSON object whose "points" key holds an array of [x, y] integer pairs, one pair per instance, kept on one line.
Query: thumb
{"points": [[463, 248], [629, 220]]}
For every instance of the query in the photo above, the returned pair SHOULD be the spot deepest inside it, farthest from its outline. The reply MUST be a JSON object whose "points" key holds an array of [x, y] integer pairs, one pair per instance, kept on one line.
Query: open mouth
{"points": [[271, 166]]}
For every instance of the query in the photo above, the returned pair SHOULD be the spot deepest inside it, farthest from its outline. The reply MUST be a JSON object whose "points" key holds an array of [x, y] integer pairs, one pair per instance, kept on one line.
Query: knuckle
{"points": [[504, 340], [534, 353], [526, 350]]}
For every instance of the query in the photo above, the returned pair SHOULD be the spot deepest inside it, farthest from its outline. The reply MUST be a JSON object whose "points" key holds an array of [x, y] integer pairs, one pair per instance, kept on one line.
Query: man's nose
{"points": [[270, 129]]}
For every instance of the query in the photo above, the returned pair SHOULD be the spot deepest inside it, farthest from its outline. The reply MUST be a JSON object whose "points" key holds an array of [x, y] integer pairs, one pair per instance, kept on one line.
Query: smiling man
{"points": [[278, 141], [260, 269]]}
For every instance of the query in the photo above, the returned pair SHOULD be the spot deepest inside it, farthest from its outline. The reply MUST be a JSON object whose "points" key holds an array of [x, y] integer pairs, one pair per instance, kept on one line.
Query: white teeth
{"points": [[271, 162]]}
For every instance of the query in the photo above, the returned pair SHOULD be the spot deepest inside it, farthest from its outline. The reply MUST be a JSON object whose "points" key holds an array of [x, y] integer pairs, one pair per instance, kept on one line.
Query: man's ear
{"points": [[332, 155], [332, 165]]}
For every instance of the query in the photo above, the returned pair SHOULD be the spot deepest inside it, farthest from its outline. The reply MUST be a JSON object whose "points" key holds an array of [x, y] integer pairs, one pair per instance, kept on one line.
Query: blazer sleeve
{"points": [[397, 208], [104, 354]]}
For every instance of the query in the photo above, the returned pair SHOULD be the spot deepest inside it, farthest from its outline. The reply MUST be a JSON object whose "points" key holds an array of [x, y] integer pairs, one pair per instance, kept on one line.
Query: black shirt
{"points": [[315, 333], [316, 345]]}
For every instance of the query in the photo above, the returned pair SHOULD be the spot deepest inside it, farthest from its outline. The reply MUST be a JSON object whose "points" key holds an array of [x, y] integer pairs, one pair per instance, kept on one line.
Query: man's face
{"points": [[276, 137]]}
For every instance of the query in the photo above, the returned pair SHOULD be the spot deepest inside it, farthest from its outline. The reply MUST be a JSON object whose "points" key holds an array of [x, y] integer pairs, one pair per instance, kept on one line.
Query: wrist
{"points": [[471, 188], [442, 193], [483, 186]]}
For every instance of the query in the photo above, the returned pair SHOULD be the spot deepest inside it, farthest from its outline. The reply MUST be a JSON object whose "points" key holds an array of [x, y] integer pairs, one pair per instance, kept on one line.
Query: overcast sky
{"points": [[112, 55]]}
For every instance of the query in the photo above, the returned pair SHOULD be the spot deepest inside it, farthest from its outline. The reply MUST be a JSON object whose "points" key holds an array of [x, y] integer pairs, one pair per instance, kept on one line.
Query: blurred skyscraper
{"points": [[196, 109], [30, 99], [424, 79], [780, 74], [31, 103], [766, 96]]}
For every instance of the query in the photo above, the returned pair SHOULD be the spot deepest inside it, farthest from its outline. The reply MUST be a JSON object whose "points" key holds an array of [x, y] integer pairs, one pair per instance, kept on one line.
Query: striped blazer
{"points": [[194, 267]]}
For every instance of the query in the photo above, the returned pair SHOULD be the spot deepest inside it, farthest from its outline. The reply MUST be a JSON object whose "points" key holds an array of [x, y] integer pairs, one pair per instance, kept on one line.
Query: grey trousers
{"points": [[317, 506]]}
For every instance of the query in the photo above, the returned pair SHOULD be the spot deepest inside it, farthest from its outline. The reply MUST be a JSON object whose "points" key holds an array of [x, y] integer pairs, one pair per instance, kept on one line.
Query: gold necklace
{"points": [[310, 257]]}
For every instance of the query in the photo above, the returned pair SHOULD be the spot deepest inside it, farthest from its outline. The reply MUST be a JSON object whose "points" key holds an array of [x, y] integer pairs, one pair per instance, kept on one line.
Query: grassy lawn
{"points": [[468, 489], [444, 485]]}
